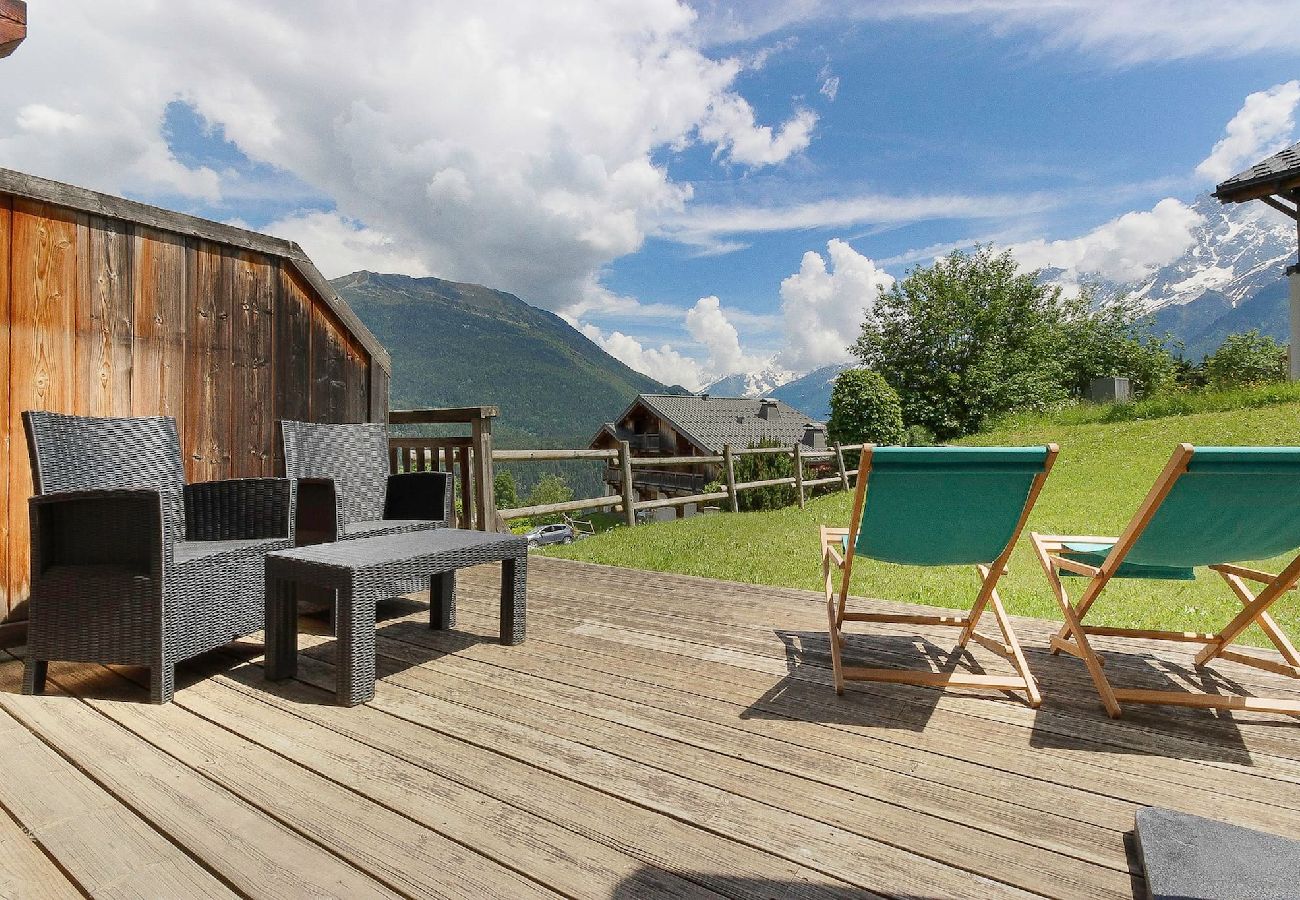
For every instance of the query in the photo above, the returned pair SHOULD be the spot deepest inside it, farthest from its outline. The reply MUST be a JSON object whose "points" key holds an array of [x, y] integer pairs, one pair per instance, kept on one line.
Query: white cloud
{"points": [[709, 326], [1123, 249], [661, 363], [709, 226], [1121, 32], [513, 145], [830, 86], [730, 126], [824, 306], [1263, 126], [338, 246]]}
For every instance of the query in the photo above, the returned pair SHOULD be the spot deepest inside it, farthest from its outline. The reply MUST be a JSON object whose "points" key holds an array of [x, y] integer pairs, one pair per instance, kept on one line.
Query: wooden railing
{"points": [[623, 462], [468, 456]]}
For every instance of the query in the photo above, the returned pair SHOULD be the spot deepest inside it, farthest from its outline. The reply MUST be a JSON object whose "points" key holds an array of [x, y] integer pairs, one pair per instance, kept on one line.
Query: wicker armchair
{"points": [[344, 489], [130, 565]]}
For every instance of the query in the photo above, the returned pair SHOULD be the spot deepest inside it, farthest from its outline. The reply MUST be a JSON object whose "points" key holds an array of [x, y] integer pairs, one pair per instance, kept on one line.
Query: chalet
{"points": [[673, 425]]}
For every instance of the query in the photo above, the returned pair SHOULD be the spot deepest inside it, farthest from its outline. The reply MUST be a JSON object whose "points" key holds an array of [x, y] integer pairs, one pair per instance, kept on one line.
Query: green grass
{"points": [[1100, 477], [1179, 403]]}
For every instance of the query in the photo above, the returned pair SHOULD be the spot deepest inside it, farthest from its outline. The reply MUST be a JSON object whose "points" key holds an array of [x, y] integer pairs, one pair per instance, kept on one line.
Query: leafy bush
{"points": [[763, 467], [864, 410], [918, 436], [1113, 339], [1246, 359]]}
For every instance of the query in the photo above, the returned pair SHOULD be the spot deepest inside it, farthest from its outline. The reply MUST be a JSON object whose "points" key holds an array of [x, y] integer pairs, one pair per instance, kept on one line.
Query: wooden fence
{"points": [[626, 462], [469, 456]]}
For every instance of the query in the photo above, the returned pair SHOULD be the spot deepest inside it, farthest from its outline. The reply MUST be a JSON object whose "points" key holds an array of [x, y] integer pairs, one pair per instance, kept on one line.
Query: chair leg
{"points": [[837, 665], [34, 673], [162, 683]]}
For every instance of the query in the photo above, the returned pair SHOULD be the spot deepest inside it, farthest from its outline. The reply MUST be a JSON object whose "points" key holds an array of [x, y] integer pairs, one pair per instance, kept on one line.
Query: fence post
{"points": [[485, 497], [730, 463], [625, 464], [839, 462], [798, 472]]}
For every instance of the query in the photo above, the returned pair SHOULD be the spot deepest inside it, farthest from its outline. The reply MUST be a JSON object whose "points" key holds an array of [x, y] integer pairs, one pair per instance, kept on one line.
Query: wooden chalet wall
{"points": [[113, 308]]}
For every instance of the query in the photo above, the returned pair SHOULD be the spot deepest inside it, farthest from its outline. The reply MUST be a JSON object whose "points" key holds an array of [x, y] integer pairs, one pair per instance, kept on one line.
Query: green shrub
{"points": [[1246, 359], [507, 493], [864, 410], [763, 467], [918, 436], [549, 489]]}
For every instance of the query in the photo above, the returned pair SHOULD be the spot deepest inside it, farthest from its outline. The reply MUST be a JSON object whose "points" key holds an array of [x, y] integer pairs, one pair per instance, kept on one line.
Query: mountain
{"points": [[811, 394], [751, 384], [1231, 278], [467, 345]]}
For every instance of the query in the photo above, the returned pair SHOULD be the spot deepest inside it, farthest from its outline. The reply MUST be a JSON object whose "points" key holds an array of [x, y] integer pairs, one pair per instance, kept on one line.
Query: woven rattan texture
{"points": [[124, 571]]}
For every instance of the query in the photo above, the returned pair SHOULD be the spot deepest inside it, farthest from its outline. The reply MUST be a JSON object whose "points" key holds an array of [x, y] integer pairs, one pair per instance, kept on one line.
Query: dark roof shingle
{"points": [[712, 422], [1280, 165]]}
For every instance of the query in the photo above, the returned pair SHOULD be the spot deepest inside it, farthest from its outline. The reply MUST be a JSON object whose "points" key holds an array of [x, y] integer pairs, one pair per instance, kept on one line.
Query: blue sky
{"points": [[657, 173]]}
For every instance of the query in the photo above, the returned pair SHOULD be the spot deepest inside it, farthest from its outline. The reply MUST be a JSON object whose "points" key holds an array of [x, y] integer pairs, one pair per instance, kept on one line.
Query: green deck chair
{"points": [[937, 506], [1211, 506]]}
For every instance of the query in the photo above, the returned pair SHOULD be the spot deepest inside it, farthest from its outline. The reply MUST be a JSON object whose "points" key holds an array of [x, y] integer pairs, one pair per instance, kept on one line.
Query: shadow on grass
{"points": [[1073, 718]]}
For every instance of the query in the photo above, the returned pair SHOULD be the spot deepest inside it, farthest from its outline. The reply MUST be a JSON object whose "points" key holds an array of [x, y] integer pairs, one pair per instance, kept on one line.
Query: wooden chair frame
{"points": [[1073, 636], [989, 574]]}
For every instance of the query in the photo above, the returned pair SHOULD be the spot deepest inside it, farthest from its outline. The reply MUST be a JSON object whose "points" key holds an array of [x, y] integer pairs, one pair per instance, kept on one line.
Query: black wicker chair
{"points": [[344, 489], [131, 565]]}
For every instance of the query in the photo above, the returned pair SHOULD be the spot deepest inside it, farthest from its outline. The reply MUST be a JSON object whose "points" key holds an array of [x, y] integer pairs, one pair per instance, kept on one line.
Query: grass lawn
{"points": [[1101, 475]]}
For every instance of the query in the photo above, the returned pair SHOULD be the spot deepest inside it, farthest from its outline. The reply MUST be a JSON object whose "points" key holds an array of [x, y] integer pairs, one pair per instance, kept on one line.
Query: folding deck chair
{"points": [[1211, 506], [937, 506]]}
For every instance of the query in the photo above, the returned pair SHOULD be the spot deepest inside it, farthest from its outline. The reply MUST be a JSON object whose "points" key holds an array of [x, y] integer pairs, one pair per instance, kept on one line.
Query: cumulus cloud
{"points": [[1123, 249], [1264, 125], [522, 153], [338, 246], [661, 363], [823, 306], [708, 324]]}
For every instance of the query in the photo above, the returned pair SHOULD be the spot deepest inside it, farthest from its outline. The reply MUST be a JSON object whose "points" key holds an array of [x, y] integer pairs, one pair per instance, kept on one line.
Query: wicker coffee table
{"points": [[364, 570]]}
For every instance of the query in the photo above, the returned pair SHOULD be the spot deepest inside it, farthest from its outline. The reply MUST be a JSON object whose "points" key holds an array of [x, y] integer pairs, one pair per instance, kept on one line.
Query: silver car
{"points": [[549, 534]]}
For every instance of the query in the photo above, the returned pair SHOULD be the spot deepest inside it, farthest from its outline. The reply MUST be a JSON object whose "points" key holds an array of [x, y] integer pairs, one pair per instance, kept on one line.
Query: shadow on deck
{"points": [[655, 735]]}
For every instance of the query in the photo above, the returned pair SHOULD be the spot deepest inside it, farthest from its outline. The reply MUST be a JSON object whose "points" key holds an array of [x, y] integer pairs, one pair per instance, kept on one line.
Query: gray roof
{"points": [[1280, 166], [711, 422]]}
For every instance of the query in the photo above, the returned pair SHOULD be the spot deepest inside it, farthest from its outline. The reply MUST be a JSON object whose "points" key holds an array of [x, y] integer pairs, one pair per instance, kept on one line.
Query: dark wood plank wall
{"points": [[102, 316]]}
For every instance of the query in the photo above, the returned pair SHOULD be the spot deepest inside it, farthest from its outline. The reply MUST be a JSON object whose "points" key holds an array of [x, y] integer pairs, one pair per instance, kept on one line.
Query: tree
{"points": [[864, 410], [1115, 338], [506, 491], [549, 489], [1244, 359], [972, 337], [966, 339]]}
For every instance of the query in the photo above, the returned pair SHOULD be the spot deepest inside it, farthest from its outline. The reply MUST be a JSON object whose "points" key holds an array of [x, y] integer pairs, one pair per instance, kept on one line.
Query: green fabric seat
{"points": [[941, 506], [1095, 554]]}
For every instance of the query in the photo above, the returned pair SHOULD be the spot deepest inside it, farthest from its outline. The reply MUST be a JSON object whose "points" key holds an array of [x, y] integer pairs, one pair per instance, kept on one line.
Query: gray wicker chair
{"points": [[132, 566], [344, 489]]}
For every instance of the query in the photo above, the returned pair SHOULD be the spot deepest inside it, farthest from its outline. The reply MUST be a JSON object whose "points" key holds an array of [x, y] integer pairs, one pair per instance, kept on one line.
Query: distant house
{"points": [[698, 425]]}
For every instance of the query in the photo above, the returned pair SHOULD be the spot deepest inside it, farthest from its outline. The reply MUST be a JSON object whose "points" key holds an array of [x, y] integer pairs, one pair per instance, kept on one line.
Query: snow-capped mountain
{"points": [[751, 384], [1238, 249], [811, 394]]}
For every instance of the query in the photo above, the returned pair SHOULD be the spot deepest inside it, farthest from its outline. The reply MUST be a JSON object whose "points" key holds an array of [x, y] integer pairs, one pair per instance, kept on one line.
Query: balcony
{"points": [[658, 480]]}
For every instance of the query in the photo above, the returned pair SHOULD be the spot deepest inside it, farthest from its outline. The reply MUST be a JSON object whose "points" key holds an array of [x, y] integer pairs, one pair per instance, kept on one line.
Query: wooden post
{"points": [[798, 472], [839, 462], [485, 504], [729, 463], [625, 464]]}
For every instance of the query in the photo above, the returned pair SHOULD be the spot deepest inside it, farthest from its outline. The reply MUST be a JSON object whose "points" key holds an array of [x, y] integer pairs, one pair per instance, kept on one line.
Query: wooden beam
{"points": [[1281, 207], [13, 25], [462, 414]]}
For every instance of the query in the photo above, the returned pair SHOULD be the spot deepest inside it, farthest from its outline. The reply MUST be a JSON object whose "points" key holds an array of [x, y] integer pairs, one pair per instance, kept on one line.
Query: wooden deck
{"points": [[656, 735]]}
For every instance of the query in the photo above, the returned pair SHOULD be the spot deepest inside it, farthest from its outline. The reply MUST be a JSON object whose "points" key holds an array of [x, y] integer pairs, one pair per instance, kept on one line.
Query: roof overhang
{"points": [[13, 25], [1275, 181]]}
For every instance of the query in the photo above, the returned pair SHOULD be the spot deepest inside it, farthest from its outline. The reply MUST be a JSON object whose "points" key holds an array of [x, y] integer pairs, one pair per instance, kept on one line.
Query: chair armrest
{"points": [[237, 509], [316, 511], [100, 528], [420, 495]]}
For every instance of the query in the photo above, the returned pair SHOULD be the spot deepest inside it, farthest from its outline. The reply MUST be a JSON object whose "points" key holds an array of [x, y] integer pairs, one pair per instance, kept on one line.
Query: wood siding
{"points": [[108, 316]]}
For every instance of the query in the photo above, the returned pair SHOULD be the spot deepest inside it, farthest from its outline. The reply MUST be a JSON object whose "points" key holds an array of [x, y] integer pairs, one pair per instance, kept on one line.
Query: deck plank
{"points": [[104, 847], [26, 871], [251, 852], [656, 735]]}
